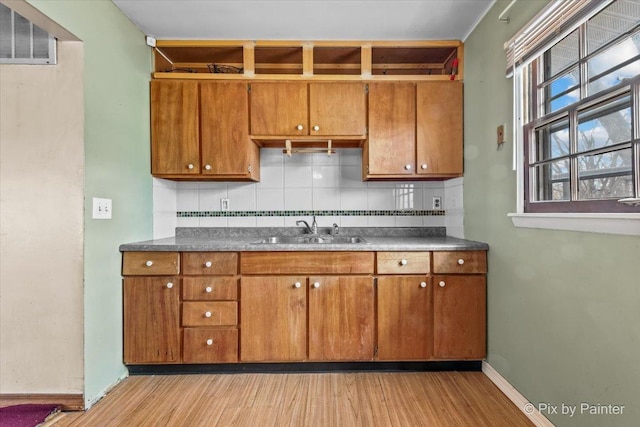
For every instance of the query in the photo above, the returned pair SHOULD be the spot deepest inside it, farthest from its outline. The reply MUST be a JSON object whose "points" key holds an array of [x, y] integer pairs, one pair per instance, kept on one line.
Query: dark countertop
{"points": [[244, 240]]}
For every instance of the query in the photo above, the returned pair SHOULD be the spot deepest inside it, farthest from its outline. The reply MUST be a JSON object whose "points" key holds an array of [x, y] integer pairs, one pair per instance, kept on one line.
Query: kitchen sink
{"points": [[321, 238]]}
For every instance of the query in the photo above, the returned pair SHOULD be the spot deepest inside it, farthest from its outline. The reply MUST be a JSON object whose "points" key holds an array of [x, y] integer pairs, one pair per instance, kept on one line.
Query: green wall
{"points": [[116, 81], [563, 307]]}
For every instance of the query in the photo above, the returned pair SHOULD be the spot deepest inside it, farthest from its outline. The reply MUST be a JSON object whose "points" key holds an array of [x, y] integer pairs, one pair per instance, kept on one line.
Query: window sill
{"points": [[624, 223]]}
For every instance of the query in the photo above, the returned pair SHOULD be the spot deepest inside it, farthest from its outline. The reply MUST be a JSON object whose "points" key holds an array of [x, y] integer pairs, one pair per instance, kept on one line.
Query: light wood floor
{"points": [[332, 399]]}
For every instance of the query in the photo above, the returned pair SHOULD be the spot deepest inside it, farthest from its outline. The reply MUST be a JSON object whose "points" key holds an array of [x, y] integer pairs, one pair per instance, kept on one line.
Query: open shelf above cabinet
{"points": [[309, 60]]}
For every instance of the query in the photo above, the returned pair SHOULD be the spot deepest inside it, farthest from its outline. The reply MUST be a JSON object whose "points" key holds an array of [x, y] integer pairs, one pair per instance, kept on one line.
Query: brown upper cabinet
{"points": [[415, 130], [199, 131], [291, 109]]}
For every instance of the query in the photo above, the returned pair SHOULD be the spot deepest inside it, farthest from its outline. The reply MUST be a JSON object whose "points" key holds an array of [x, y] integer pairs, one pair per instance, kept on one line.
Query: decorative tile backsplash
{"points": [[292, 188]]}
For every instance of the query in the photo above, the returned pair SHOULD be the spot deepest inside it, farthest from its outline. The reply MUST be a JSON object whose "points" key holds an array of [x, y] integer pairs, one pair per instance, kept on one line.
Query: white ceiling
{"points": [[306, 19]]}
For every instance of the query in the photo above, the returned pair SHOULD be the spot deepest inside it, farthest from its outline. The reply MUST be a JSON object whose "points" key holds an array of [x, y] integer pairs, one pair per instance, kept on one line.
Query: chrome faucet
{"points": [[336, 229], [314, 225]]}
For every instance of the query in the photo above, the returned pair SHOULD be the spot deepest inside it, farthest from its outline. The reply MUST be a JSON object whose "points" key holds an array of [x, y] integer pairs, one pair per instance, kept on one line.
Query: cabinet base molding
{"points": [[67, 402], [514, 395], [307, 367]]}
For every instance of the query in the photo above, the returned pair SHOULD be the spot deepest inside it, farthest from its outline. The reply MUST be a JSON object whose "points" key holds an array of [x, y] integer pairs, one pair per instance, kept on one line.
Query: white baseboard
{"points": [[90, 401], [514, 395]]}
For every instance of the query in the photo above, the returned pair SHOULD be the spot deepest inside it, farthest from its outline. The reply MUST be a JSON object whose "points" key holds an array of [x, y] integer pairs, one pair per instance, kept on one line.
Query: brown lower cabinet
{"points": [[273, 313], [151, 320], [296, 307]]}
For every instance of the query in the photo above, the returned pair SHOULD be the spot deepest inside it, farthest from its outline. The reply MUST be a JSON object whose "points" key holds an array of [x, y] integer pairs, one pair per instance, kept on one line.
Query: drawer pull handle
{"points": [[316, 128], [442, 284], [148, 263], [423, 284], [208, 313], [209, 341], [460, 261], [208, 264], [169, 285], [316, 285], [207, 167], [190, 166], [297, 285], [403, 262], [208, 289], [423, 166], [407, 167], [299, 127]]}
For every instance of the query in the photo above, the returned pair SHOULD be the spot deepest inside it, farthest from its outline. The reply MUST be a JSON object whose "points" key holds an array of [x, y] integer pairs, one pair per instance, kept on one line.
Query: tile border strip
{"points": [[211, 214]]}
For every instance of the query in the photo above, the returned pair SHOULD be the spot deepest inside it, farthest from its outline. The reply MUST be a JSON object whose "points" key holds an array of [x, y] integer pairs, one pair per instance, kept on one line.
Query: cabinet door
{"points": [[341, 318], [224, 118], [390, 149], [273, 314], [439, 128], [279, 109], [175, 146], [459, 317], [151, 320], [337, 109], [404, 318]]}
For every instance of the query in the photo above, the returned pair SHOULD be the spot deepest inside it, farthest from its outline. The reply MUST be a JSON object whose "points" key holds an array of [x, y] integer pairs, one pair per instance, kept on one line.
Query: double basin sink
{"points": [[312, 239]]}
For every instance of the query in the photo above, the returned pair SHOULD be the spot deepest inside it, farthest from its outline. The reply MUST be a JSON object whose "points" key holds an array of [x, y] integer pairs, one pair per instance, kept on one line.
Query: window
{"points": [[22, 42], [579, 109]]}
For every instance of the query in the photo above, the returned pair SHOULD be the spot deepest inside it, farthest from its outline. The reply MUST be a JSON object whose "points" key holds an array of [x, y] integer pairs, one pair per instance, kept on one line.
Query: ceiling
{"points": [[306, 19]]}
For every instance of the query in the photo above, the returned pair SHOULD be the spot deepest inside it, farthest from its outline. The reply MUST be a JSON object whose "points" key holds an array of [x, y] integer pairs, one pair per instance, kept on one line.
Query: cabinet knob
{"points": [[407, 167], [297, 285], [169, 285], [190, 166], [299, 127], [403, 262], [209, 341], [442, 284], [423, 166], [208, 313], [207, 167], [460, 261], [148, 263], [423, 284], [208, 264], [208, 289], [316, 128], [316, 285]]}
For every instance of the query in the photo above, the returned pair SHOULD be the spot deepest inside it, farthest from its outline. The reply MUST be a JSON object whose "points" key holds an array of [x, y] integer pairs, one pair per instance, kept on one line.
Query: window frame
{"points": [[554, 22]]}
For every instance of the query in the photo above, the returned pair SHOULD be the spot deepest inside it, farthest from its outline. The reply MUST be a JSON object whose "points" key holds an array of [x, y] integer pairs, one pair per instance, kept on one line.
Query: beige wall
{"points": [[41, 225]]}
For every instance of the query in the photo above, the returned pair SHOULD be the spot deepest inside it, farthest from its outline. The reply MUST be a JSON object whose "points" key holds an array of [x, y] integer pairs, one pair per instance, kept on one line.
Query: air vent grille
{"points": [[22, 42]]}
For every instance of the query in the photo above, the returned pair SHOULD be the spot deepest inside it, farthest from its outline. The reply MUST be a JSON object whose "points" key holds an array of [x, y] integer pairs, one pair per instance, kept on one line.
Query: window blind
{"points": [[554, 21]]}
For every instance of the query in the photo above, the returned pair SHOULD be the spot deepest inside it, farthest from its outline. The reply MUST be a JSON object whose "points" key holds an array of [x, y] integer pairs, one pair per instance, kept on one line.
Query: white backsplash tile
{"points": [[298, 199], [297, 176], [216, 221], [326, 199], [326, 176], [242, 197], [307, 182], [188, 199], [270, 199]]}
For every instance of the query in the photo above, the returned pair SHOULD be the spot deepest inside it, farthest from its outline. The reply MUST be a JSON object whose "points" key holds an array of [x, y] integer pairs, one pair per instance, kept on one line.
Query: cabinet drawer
{"points": [[150, 263], [209, 263], [402, 262], [210, 288], [218, 313], [460, 262], [306, 263], [203, 345]]}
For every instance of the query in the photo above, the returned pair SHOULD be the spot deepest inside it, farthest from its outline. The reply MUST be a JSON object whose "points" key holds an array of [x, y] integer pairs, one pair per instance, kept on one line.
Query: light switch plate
{"points": [[101, 208]]}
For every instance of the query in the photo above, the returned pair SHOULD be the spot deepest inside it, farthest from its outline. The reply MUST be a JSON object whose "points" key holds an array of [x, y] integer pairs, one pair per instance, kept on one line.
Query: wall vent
{"points": [[22, 42]]}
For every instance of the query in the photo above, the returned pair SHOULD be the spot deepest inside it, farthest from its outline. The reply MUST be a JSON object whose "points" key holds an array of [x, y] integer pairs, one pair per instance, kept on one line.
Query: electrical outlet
{"points": [[101, 208], [437, 202], [224, 204]]}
